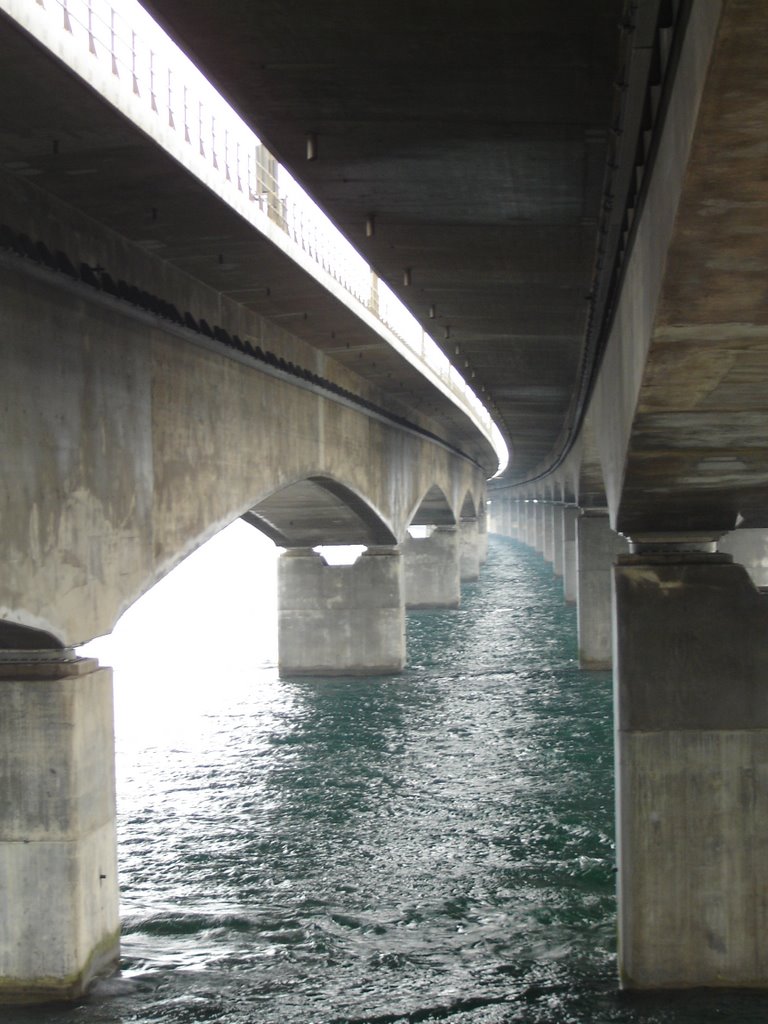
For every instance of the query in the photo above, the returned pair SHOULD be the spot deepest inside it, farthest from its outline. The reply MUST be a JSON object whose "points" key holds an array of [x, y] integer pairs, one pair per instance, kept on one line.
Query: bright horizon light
{"points": [[130, 61]]}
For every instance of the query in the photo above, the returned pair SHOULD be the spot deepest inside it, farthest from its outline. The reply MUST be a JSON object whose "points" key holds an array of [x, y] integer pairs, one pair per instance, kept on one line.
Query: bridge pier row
{"points": [[570, 591], [597, 546], [469, 550], [692, 770], [431, 566], [59, 925], [341, 619]]}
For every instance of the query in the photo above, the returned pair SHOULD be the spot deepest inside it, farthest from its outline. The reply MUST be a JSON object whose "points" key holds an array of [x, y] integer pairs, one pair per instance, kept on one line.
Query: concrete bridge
{"points": [[571, 200]]}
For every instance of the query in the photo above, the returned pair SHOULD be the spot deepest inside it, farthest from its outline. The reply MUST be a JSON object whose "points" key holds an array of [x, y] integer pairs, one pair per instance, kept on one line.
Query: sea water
{"points": [[431, 846]]}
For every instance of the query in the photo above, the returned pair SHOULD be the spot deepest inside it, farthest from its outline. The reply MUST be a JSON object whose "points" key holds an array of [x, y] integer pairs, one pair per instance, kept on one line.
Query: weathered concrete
{"points": [[692, 761], [469, 551], [431, 567], [750, 549], [680, 404], [59, 924], [570, 578], [141, 444], [341, 619], [596, 549]]}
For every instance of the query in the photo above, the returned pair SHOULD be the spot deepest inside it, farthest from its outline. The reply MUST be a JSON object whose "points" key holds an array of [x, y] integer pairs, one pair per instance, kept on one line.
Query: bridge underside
{"points": [[572, 199]]}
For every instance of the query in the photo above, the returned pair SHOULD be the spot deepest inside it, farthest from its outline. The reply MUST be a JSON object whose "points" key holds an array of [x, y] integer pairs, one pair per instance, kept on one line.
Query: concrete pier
{"points": [[549, 532], [570, 587], [341, 619], [692, 764], [750, 549], [469, 550], [597, 547], [557, 539], [431, 567], [482, 539], [59, 924], [539, 537]]}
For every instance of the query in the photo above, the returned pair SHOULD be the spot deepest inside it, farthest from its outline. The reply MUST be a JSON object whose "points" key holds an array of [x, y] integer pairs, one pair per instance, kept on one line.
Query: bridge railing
{"points": [[128, 58]]}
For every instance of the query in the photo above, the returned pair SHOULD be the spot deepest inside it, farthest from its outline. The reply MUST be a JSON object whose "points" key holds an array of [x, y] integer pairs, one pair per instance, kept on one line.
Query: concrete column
{"points": [[469, 554], [532, 522], [482, 539], [341, 619], [692, 772], [516, 519], [432, 569], [750, 549], [549, 532], [557, 542], [526, 522], [540, 534], [59, 925], [596, 549], [570, 588]]}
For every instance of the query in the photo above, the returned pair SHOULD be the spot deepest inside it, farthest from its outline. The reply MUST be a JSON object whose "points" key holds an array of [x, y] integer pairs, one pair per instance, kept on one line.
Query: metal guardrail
{"points": [[126, 56]]}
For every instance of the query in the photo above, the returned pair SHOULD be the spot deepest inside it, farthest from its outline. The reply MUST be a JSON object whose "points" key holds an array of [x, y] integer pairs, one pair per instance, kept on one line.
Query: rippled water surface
{"points": [[432, 846]]}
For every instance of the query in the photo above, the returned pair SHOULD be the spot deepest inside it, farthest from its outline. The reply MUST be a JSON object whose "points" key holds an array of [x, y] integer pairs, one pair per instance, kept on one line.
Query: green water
{"points": [[433, 846]]}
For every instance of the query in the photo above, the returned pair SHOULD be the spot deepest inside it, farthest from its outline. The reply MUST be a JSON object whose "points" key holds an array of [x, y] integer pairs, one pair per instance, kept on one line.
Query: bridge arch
{"points": [[318, 509], [433, 509], [469, 506]]}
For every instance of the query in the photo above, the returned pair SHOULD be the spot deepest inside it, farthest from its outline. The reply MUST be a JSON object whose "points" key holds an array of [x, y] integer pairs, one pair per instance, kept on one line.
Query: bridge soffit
{"points": [[433, 509], [319, 510]]}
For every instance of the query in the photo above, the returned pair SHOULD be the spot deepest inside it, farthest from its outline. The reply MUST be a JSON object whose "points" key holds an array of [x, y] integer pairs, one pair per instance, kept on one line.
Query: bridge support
{"points": [[520, 520], [540, 530], [570, 514], [531, 520], [596, 549], [482, 539], [750, 549], [692, 764], [432, 569], [549, 532], [341, 619], [469, 550], [557, 540], [59, 925]]}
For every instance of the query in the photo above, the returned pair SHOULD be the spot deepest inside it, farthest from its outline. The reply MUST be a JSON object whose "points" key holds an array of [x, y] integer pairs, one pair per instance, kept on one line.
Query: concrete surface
{"points": [[431, 564], [692, 787], [58, 856], [341, 619]]}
